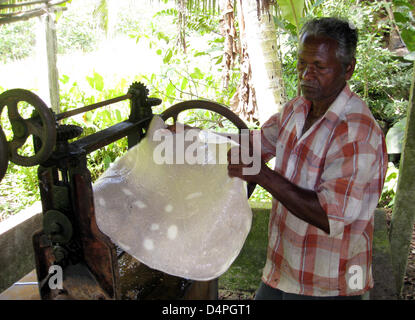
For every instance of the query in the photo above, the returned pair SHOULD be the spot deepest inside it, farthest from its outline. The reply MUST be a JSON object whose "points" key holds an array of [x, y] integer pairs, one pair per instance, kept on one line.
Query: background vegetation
{"points": [[382, 77]]}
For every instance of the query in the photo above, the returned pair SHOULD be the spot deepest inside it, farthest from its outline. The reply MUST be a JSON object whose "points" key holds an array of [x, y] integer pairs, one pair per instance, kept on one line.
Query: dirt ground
{"points": [[409, 280], [408, 291]]}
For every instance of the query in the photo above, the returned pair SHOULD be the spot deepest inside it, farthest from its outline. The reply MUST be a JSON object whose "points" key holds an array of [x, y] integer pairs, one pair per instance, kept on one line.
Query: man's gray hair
{"points": [[344, 32]]}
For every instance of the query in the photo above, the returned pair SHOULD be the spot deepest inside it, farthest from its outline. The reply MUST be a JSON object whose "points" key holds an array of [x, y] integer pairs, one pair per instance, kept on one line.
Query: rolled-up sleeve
{"points": [[267, 136]]}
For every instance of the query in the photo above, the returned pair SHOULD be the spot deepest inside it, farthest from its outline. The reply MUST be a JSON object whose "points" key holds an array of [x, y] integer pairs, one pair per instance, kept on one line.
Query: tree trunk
{"points": [[243, 103], [227, 29], [181, 24], [403, 216], [260, 37]]}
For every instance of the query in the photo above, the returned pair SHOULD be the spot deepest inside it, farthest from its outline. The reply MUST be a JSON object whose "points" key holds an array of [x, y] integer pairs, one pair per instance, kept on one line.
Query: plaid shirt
{"points": [[343, 158]]}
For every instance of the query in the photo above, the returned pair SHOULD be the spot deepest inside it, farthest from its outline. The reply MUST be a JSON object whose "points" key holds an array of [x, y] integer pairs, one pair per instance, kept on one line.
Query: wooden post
{"points": [[403, 215], [47, 60], [51, 50]]}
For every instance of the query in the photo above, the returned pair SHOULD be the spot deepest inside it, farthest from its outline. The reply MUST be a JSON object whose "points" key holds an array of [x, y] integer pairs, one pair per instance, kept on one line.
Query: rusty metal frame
{"points": [[65, 186]]}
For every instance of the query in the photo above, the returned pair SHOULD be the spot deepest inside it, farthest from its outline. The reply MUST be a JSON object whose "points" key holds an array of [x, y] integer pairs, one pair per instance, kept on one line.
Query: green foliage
{"points": [[381, 78], [18, 189], [385, 95], [394, 137], [100, 13], [202, 24], [192, 75], [203, 7], [389, 188], [72, 96], [96, 82], [260, 195], [405, 20], [16, 40], [75, 30], [292, 11], [290, 77]]}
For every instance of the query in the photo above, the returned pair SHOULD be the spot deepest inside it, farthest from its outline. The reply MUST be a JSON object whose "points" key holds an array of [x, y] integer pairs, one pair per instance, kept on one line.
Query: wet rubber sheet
{"points": [[187, 220]]}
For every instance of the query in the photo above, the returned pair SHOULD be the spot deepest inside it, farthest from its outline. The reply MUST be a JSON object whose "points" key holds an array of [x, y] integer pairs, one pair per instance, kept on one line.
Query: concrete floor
{"points": [[24, 289]]}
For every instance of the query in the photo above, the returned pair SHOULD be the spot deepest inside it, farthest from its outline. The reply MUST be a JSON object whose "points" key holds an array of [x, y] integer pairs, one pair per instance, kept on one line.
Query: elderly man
{"points": [[329, 171]]}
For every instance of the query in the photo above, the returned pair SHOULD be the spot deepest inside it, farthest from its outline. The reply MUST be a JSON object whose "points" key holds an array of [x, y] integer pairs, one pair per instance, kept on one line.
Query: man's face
{"points": [[321, 73]]}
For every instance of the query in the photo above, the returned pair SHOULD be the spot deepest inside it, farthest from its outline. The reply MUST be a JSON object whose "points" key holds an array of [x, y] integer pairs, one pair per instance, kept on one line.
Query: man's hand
{"points": [[303, 203], [239, 168]]}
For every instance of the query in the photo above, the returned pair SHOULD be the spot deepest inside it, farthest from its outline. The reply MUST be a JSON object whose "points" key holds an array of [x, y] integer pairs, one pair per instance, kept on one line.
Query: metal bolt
{"points": [[59, 253]]}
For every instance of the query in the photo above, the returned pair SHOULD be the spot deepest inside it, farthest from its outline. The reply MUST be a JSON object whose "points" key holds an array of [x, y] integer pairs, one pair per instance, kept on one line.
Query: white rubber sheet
{"points": [[188, 220]]}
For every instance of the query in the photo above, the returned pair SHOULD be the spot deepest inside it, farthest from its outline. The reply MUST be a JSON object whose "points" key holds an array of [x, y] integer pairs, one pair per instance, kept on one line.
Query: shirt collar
{"points": [[335, 111]]}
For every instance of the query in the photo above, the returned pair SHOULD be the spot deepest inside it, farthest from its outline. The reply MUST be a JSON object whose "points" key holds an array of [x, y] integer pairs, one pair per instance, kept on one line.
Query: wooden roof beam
{"points": [[21, 4], [22, 16], [25, 15]]}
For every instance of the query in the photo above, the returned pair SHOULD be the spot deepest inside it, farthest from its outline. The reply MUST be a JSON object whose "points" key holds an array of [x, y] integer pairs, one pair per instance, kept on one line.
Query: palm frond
{"points": [[101, 13]]}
